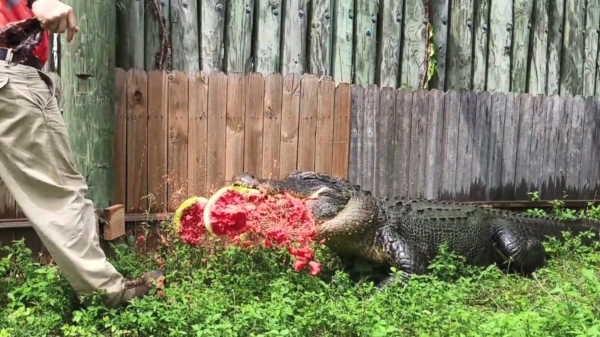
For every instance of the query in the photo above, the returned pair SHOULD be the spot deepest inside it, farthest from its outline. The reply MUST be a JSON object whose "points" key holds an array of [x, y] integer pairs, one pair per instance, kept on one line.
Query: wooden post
{"points": [[88, 79]]}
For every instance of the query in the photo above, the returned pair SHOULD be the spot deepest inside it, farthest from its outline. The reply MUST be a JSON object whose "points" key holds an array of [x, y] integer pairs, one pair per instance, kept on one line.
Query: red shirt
{"points": [[17, 10]]}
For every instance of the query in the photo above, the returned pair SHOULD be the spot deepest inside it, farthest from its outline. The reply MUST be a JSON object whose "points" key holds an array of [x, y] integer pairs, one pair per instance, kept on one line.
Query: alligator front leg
{"points": [[399, 254], [519, 250]]}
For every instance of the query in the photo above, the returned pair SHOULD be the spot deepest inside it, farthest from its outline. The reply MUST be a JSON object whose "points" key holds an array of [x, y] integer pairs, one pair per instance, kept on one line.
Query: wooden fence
{"points": [[542, 46], [469, 146], [180, 135]]}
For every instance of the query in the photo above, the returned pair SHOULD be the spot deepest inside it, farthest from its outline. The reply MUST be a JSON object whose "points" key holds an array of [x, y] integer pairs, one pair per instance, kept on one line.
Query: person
{"points": [[36, 162]]}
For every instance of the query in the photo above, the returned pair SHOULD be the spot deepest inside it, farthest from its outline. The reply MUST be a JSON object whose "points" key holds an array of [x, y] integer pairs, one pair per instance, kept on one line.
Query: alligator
{"points": [[408, 234]]}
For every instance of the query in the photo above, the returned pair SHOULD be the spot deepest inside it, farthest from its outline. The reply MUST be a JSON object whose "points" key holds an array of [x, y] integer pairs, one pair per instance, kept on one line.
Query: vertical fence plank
{"points": [[459, 63], [589, 150], [510, 139], [466, 129], [294, 37], [238, 38], [324, 133], [137, 134], [551, 143], [450, 146], [341, 131], [319, 59], [185, 53], [556, 11], [253, 137], [571, 74], [500, 42], [120, 154], [481, 141], [268, 27], [525, 124], [538, 62], [158, 133], [307, 128], [390, 43], [595, 158], [217, 114], [212, 29], [433, 161], [520, 44], [177, 148], [236, 118], [290, 115], [418, 143], [402, 130], [440, 16], [385, 141], [365, 35], [562, 146], [130, 21], [495, 156], [198, 134], [576, 130], [414, 43], [343, 41], [590, 55], [481, 34], [538, 143], [369, 147], [272, 125], [356, 137]]}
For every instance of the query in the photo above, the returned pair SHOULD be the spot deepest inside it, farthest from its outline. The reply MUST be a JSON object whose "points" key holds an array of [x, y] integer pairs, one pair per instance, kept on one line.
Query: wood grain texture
{"points": [[253, 132], [290, 116], [158, 136], [341, 131], [325, 125], [177, 146], [307, 128], [137, 140], [236, 120], [198, 134], [272, 108]]}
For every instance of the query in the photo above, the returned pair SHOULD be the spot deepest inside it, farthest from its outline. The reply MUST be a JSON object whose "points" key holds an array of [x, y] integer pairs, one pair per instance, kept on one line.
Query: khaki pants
{"points": [[36, 166]]}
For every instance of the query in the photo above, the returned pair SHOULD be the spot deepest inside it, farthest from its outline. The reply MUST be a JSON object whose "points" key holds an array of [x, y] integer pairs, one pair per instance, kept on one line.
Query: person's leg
{"points": [[37, 167]]}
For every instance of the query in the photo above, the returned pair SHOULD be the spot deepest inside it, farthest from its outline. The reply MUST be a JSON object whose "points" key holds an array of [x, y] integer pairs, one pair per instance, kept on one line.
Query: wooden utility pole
{"points": [[87, 71]]}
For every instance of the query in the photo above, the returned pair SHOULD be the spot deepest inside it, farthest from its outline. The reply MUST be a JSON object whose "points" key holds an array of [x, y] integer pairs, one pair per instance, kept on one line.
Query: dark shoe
{"points": [[142, 286]]}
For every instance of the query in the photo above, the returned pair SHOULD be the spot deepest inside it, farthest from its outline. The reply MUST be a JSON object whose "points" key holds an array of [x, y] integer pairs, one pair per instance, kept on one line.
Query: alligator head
{"points": [[340, 208]]}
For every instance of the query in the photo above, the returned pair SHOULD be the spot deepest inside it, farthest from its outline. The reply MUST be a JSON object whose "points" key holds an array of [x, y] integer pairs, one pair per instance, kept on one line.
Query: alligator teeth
{"points": [[316, 194]]}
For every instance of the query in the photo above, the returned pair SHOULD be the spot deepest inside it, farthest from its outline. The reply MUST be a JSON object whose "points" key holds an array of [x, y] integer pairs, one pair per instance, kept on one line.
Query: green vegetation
{"points": [[237, 293]]}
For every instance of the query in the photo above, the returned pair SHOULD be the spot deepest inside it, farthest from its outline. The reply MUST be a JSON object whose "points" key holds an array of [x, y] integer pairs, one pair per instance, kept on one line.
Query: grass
{"points": [[235, 292]]}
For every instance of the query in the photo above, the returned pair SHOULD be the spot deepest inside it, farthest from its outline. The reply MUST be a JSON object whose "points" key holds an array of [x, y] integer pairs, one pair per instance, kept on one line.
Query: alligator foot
{"points": [[519, 253]]}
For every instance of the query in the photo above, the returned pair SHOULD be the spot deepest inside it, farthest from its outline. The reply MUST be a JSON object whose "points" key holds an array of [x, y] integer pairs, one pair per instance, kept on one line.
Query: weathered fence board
{"points": [[474, 146], [546, 46]]}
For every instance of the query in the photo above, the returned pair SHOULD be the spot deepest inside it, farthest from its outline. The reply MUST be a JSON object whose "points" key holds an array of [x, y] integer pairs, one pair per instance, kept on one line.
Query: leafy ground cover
{"points": [[241, 292]]}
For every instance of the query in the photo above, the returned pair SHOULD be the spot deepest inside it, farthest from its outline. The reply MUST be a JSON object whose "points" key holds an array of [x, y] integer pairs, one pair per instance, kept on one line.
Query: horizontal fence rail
{"points": [[542, 46]]}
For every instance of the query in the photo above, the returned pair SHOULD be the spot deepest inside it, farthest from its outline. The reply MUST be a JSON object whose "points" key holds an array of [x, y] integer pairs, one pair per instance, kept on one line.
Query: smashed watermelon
{"points": [[188, 222], [251, 217]]}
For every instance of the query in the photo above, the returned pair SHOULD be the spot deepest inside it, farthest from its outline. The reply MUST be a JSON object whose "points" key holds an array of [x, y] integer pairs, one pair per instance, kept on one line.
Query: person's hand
{"points": [[56, 17]]}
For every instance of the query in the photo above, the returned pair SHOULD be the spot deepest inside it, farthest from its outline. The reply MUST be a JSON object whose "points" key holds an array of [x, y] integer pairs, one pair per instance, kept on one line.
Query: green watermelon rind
{"points": [[182, 207]]}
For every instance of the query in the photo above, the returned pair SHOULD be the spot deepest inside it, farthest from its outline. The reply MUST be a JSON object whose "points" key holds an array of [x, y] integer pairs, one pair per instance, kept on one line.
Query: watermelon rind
{"points": [[213, 199], [185, 205]]}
